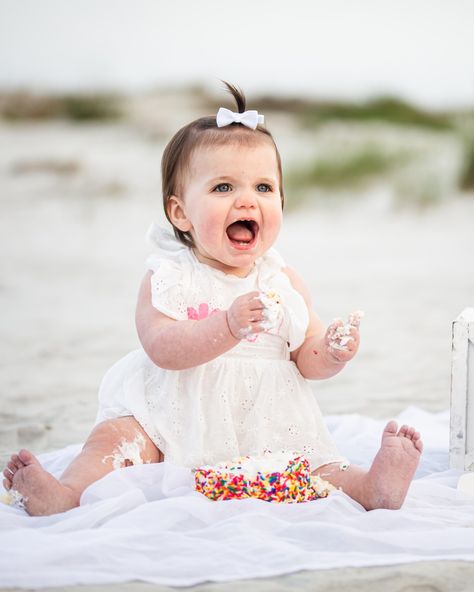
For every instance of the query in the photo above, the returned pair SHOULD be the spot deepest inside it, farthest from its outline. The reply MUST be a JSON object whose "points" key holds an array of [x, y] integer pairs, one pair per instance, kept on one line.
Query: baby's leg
{"points": [[112, 444], [386, 483]]}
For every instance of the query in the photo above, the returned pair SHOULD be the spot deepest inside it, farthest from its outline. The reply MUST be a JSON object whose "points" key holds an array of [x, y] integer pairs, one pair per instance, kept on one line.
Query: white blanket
{"points": [[146, 523]]}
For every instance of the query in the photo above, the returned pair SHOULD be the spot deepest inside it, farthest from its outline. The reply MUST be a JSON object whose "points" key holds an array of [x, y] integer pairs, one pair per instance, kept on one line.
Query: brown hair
{"points": [[204, 132]]}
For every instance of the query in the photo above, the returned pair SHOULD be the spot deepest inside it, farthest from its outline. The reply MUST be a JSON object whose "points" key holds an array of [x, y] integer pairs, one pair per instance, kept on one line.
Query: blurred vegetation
{"points": [[352, 170], [345, 169], [414, 172], [384, 109], [22, 106], [467, 178], [104, 106], [58, 167], [416, 151]]}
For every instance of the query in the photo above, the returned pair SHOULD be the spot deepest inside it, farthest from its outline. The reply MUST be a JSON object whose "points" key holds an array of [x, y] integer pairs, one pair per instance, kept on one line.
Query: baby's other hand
{"points": [[245, 315], [342, 340]]}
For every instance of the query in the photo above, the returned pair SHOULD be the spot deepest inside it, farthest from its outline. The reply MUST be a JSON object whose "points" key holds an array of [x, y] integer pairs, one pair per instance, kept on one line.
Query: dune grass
{"points": [[385, 109], [106, 106], [342, 171], [467, 177], [22, 106]]}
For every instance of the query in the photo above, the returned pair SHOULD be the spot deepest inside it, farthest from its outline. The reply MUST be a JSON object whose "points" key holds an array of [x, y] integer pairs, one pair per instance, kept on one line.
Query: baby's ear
{"points": [[177, 214]]}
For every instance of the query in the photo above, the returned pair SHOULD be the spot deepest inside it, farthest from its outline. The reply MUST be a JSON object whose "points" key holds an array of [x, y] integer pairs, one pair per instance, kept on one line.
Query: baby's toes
{"points": [[403, 431], [8, 474], [410, 433], [417, 441], [10, 470], [17, 462]]}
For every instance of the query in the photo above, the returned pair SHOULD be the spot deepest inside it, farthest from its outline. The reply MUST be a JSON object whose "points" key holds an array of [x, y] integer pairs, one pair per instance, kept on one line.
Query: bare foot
{"points": [[35, 489], [392, 470]]}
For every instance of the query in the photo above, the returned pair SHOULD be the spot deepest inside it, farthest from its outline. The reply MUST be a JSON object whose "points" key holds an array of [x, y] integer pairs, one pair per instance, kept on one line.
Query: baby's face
{"points": [[231, 205]]}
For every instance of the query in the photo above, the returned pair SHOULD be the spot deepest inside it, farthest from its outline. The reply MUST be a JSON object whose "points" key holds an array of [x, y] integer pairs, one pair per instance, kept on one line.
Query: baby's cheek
{"points": [[209, 229], [272, 224]]}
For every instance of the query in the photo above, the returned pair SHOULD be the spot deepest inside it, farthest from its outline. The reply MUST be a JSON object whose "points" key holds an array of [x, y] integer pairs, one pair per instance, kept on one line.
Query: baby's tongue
{"points": [[239, 232]]}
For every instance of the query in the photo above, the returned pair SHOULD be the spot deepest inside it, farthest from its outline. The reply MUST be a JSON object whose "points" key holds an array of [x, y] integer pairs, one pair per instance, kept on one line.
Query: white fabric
{"points": [[250, 399], [248, 118], [146, 523]]}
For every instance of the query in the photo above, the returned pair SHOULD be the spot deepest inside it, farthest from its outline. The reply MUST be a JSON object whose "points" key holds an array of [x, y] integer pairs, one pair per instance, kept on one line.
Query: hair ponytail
{"points": [[238, 95]]}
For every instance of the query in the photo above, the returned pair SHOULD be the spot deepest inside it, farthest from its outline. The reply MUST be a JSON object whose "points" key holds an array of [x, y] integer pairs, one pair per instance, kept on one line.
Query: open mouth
{"points": [[243, 233]]}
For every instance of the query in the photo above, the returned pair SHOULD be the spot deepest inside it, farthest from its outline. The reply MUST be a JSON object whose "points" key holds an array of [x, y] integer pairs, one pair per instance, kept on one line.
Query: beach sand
{"points": [[441, 576], [76, 203]]}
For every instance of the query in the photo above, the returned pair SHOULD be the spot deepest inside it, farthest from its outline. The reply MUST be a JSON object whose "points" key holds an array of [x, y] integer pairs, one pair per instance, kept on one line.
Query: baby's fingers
{"points": [[354, 339], [256, 316], [254, 301], [340, 355], [355, 317], [348, 343], [337, 354], [332, 329]]}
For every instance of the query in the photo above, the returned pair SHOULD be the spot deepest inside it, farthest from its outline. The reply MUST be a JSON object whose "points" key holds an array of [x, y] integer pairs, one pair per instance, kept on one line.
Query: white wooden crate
{"points": [[461, 448]]}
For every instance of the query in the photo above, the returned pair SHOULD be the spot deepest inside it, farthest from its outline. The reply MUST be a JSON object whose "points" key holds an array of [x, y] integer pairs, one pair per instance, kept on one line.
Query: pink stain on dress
{"points": [[201, 313]]}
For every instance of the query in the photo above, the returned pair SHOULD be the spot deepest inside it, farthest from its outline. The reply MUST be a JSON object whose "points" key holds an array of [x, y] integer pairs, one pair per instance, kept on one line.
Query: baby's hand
{"points": [[245, 315], [342, 340]]}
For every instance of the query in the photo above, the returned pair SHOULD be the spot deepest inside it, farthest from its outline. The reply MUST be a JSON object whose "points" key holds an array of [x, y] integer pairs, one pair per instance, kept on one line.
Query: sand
{"points": [[72, 238], [423, 576]]}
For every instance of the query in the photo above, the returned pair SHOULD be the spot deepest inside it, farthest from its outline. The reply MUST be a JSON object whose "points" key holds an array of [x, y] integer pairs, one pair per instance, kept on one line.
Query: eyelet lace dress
{"points": [[250, 399]]}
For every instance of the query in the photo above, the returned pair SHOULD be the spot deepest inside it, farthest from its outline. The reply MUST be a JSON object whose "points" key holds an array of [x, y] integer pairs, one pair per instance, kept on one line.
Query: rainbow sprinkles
{"points": [[272, 477]]}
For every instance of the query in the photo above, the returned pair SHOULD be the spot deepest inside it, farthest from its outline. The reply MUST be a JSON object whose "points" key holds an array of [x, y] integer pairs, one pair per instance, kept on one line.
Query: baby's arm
{"points": [[315, 358], [177, 345]]}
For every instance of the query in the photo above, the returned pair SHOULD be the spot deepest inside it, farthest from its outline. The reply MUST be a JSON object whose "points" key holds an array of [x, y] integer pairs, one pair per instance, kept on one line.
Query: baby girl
{"points": [[229, 335]]}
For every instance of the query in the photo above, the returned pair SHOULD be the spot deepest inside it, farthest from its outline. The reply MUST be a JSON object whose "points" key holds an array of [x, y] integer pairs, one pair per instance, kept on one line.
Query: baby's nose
{"points": [[245, 199]]}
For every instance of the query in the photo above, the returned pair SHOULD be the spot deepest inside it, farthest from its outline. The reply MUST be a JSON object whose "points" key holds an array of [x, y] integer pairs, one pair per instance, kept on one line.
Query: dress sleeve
{"points": [[167, 286], [296, 312]]}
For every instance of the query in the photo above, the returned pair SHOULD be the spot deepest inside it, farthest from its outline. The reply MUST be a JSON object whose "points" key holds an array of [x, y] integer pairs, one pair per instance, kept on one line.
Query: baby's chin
{"points": [[240, 265]]}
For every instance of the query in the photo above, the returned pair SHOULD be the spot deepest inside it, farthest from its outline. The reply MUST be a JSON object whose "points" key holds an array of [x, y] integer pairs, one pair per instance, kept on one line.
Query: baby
{"points": [[229, 335]]}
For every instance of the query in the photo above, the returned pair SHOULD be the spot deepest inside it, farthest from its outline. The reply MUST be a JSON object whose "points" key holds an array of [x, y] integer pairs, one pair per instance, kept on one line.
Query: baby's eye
{"points": [[263, 187], [222, 187]]}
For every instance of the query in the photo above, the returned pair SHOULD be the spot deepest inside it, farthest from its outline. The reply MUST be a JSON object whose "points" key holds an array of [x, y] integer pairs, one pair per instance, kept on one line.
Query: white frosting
{"points": [[268, 462], [355, 317], [245, 332], [321, 486], [272, 311], [340, 336], [127, 451], [272, 314]]}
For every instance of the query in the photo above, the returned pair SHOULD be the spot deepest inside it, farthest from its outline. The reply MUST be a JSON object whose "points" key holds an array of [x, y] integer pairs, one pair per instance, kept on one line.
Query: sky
{"points": [[420, 50]]}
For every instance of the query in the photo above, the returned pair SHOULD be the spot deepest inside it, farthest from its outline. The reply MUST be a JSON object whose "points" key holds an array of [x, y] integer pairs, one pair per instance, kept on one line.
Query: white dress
{"points": [[250, 399]]}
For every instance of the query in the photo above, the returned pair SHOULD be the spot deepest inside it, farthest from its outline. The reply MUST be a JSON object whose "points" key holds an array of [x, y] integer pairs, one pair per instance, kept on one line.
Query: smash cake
{"points": [[272, 477], [272, 312]]}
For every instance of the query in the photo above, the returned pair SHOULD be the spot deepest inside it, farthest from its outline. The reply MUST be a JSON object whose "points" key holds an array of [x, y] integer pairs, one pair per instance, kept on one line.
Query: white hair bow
{"points": [[248, 118]]}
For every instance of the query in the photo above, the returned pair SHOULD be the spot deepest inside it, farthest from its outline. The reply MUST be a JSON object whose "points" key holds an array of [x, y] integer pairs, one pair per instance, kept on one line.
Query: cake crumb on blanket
{"points": [[14, 498]]}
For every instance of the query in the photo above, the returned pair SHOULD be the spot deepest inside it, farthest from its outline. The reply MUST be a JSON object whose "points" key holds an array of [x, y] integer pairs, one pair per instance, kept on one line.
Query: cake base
{"points": [[273, 478]]}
